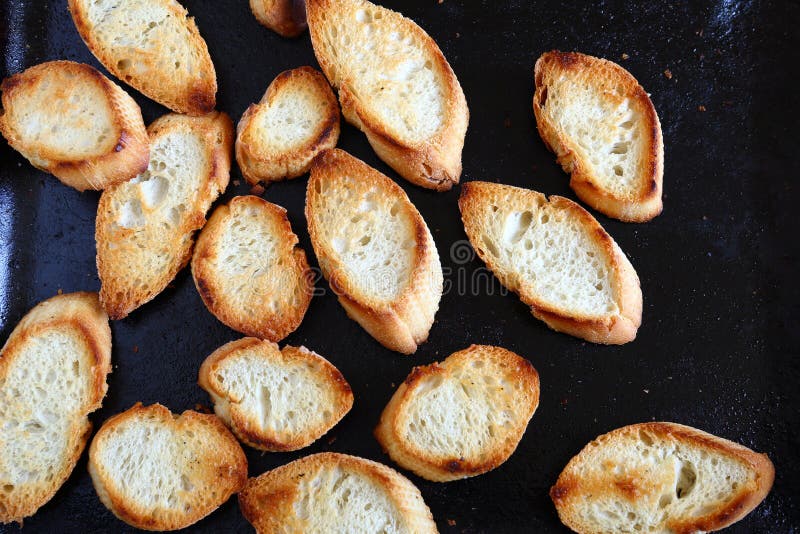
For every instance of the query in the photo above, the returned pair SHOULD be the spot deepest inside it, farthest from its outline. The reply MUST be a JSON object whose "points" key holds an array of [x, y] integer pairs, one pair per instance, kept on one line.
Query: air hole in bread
{"points": [[123, 64], [517, 223], [131, 215], [618, 170], [620, 148], [543, 97], [687, 477]]}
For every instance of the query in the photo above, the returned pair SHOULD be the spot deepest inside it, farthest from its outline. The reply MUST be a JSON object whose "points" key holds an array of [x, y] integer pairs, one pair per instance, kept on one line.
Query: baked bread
{"points": [[153, 46], [374, 249], [604, 130], [395, 85], [660, 477], [275, 400], [249, 270], [71, 121], [461, 417], [557, 257], [156, 470], [330, 492], [285, 17], [53, 372], [145, 227], [297, 118]]}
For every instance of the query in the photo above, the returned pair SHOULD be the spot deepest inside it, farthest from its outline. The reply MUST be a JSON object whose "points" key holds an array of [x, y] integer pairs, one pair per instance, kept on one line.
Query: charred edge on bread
{"points": [[200, 100], [205, 291]]}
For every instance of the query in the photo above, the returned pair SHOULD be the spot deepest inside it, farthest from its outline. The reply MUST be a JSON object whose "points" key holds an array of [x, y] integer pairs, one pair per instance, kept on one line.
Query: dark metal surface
{"points": [[720, 340]]}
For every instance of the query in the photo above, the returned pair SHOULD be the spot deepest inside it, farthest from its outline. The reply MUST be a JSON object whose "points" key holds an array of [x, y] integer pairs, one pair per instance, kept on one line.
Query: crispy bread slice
{"points": [[297, 118], [250, 271], [53, 372], [461, 417], [145, 227], [285, 17], [395, 85], [153, 46], [604, 130], [159, 471], [660, 477], [71, 121], [275, 400], [374, 249], [332, 492], [558, 259]]}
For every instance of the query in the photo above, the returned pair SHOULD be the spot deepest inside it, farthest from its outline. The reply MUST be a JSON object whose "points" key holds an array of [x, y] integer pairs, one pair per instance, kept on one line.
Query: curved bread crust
{"points": [[514, 389], [258, 159], [285, 17], [268, 295], [166, 60], [403, 323], [642, 201], [583, 484], [280, 500], [24, 462], [52, 92], [249, 424], [435, 162], [212, 470], [616, 327]]}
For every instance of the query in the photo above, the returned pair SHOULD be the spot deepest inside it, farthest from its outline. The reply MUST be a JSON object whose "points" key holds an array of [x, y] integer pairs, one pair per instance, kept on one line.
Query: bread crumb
{"points": [[331, 440], [668, 74], [257, 190], [507, 122], [136, 348], [451, 522], [458, 35], [202, 409], [624, 56], [646, 390], [60, 291], [236, 183], [701, 108]]}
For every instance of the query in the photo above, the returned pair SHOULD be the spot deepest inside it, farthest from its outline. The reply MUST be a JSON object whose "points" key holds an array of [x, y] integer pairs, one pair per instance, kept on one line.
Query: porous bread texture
{"points": [[297, 118], [395, 85], [660, 477], [461, 417], [557, 257], [152, 45], [275, 400], [375, 250], [69, 120], [332, 492], [145, 227], [53, 371], [285, 17], [250, 271], [160, 471], [604, 130]]}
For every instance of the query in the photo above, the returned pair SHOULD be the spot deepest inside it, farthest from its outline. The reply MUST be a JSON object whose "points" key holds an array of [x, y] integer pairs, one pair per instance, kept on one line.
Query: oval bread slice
{"points": [[332, 492], [660, 477], [53, 371], [285, 17], [249, 270], [160, 471], [461, 417], [275, 400], [71, 121], [557, 257]]}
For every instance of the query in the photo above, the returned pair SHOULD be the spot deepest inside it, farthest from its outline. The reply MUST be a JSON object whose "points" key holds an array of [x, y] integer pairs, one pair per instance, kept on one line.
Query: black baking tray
{"points": [[720, 340]]}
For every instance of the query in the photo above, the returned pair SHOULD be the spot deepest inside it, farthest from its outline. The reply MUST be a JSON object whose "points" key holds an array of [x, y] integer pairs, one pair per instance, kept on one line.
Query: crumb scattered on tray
{"points": [[624, 56], [257, 190], [668, 74], [701, 108]]}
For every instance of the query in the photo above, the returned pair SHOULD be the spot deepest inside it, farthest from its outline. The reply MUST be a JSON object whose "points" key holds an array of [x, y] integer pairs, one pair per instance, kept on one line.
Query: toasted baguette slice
{"points": [[604, 130], [558, 259], [145, 227], [153, 46], [159, 471], [660, 477], [461, 417], [330, 492], [275, 400], [53, 372], [394, 85], [285, 17], [375, 250], [297, 118], [249, 270], [71, 121]]}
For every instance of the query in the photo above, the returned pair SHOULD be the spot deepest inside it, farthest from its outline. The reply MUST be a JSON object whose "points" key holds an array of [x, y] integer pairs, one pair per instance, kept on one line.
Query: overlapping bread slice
{"points": [[557, 257], [604, 130], [145, 227], [249, 270], [395, 85], [285, 17], [53, 372], [375, 250], [156, 470], [660, 477], [332, 492], [71, 121], [275, 400], [152, 45]]}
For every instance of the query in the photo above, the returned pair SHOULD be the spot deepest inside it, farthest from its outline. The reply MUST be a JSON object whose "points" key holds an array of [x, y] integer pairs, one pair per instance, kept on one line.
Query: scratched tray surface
{"points": [[718, 346]]}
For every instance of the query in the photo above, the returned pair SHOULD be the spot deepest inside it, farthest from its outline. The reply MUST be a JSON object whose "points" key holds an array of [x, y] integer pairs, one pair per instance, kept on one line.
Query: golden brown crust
{"points": [[284, 17]]}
